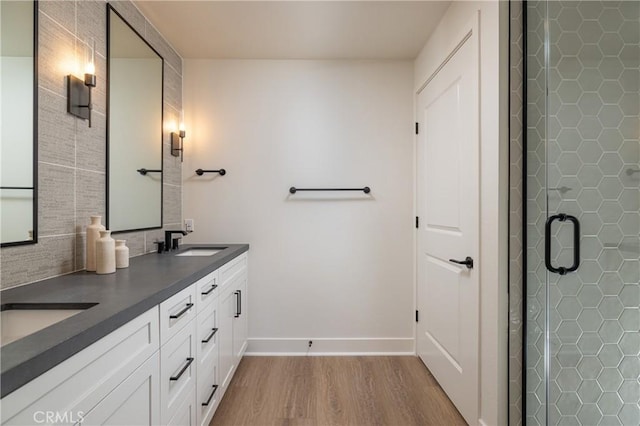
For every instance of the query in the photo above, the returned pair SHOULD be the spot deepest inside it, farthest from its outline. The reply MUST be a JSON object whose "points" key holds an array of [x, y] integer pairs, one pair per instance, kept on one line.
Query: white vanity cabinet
{"points": [[169, 366], [93, 382]]}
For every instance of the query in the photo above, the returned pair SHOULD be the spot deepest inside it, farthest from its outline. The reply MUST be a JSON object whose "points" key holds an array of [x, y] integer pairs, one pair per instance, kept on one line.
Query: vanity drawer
{"points": [[207, 290], [176, 312], [177, 371], [229, 271], [185, 412], [207, 341], [208, 394]]}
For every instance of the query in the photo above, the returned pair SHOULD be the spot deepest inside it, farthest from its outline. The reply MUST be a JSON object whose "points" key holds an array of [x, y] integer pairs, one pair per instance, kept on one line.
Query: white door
{"points": [[448, 206]]}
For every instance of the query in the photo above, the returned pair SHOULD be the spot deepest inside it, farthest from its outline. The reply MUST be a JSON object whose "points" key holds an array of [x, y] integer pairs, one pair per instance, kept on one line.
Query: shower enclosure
{"points": [[582, 186]]}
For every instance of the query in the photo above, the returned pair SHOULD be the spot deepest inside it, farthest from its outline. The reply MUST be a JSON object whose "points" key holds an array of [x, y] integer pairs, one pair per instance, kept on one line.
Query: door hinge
{"points": [[417, 315], [416, 128], [417, 222]]}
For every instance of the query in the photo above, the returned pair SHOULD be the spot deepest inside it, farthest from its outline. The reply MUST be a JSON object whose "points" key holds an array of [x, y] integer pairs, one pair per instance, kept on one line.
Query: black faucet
{"points": [[167, 239]]}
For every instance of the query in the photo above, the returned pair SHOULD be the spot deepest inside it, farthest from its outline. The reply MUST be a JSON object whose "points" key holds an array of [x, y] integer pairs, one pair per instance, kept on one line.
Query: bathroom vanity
{"points": [[157, 343]]}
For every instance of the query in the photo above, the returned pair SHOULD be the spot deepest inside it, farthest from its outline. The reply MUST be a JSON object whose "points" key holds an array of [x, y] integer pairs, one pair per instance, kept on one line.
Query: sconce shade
{"points": [[90, 80]]}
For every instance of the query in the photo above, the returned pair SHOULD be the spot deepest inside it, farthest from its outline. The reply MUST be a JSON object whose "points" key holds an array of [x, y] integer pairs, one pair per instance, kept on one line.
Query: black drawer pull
{"points": [[215, 388], [182, 312], [209, 337], [181, 372], [213, 287]]}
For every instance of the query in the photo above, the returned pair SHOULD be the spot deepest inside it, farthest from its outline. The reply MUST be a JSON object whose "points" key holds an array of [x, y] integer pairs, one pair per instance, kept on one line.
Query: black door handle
{"points": [[468, 262], [562, 217]]}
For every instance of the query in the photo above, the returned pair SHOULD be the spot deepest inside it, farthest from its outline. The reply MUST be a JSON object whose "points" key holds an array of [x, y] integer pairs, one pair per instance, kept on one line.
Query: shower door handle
{"points": [[562, 217]]}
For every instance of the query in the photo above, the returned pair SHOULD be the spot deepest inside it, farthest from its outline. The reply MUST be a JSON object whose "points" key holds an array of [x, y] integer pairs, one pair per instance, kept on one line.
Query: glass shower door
{"points": [[583, 213]]}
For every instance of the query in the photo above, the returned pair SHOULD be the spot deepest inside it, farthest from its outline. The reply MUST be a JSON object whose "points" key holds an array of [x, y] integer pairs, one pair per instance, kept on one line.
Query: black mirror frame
{"points": [[34, 195], [110, 8]]}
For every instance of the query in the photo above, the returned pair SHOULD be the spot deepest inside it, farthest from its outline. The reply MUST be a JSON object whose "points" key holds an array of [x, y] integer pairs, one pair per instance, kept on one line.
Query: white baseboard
{"points": [[330, 346]]}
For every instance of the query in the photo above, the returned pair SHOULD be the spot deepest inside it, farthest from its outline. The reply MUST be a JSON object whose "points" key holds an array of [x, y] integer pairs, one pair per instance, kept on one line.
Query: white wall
{"points": [[494, 165], [323, 266]]}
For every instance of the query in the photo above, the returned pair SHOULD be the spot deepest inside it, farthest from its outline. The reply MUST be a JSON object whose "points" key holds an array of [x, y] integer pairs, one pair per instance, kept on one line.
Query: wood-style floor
{"points": [[319, 391]]}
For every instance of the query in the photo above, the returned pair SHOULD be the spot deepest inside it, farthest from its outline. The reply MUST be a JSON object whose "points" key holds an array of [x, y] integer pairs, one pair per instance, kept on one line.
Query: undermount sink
{"points": [[22, 319], [205, 251]]}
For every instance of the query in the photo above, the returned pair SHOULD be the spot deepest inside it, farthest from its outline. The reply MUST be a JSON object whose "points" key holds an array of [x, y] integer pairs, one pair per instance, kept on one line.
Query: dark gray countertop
{"points": [[149, 280]]}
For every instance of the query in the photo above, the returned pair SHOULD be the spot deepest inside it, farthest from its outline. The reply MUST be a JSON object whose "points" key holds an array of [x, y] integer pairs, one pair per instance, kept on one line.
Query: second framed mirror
{"points": [[134, 129]]}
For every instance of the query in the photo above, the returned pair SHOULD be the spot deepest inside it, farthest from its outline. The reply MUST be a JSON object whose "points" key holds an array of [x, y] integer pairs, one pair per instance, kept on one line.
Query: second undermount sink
{"points": [[22, 319], [204, 251]]}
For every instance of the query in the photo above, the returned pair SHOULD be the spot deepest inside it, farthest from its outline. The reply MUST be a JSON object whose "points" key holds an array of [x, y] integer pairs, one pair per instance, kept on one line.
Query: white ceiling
{"points": [[295, 29]]}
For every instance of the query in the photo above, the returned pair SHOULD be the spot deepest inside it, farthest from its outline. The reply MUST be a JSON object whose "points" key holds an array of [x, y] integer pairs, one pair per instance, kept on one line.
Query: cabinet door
{"points": [[82, 381], [136, 401], [240, 322], [226, 316]]}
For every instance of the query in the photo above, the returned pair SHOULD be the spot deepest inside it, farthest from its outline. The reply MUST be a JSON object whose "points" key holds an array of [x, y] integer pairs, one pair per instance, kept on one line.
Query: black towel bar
{"points": [[17, 187], [144, 172], [293, 189], [200, 172]]}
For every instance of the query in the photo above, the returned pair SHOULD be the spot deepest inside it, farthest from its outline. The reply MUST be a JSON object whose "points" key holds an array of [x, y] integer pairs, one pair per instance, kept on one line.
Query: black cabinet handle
{"points": [[468, 262], [213, 287], [562, 217], [182, 312], [210, 336], [215, 388], [181, 372], [238, 294]]}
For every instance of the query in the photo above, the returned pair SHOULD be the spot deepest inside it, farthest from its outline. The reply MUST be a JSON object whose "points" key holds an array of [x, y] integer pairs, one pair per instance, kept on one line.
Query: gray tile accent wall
{"points": [[72, 156], [515, 214]]}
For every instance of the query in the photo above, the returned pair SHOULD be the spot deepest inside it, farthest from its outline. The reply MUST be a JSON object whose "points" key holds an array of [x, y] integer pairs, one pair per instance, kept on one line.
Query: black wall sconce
{"points": [[79, 91], [177, 144]]}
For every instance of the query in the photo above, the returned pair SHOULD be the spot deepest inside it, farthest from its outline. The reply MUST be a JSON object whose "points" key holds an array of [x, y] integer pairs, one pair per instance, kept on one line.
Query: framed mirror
{"points": [[19, 135], [134, 129]]}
